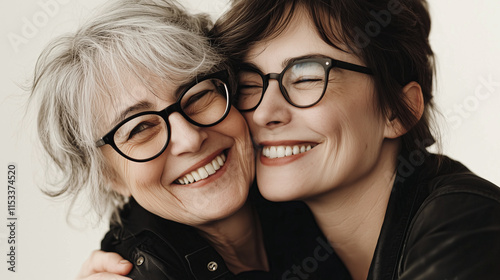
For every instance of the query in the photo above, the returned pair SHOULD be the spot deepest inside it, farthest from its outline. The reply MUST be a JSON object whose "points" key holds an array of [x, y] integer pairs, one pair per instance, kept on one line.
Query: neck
{"points": [[351, 217], [238, 239]]}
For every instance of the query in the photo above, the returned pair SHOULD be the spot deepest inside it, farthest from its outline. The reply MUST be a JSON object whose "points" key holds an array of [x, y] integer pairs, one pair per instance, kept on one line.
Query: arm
{"points": [[104, 266]]}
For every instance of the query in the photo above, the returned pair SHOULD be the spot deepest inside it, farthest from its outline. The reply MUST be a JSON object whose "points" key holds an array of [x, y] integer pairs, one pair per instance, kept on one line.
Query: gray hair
{"points": [[76, 73]]}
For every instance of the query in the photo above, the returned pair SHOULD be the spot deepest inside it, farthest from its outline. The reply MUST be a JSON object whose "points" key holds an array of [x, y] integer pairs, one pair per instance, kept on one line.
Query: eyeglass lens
{"points": [[302, 84], [145, 136]]}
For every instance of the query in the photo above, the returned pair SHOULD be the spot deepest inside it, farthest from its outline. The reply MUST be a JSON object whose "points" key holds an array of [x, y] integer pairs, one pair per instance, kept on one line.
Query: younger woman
{"points": [[338, 98]]}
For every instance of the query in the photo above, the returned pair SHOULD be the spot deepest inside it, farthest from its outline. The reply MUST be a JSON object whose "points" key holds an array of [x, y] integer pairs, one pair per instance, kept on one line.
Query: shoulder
{"points": [[453, 177], [456, 194], [456, 230], [161, 249], [459, 204], [152, 257]]}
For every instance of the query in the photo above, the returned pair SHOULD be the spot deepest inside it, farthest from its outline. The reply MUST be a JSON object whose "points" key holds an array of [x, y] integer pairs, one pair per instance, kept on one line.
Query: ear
{"points": [[413, 95]]}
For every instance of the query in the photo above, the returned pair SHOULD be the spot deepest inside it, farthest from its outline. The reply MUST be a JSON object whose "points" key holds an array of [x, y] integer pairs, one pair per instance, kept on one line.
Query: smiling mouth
{"points": [[285, 151], [203, 172]]}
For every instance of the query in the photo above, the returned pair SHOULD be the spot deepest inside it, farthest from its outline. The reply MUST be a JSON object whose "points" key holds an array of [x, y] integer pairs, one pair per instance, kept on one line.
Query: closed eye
{"points": [[242, 87], [140, 128], [305, 80], [195, 97]]}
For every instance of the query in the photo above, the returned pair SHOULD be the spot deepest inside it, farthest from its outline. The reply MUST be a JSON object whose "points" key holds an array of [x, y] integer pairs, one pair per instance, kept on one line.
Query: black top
{"points": [[163, 249], [442, 222]]}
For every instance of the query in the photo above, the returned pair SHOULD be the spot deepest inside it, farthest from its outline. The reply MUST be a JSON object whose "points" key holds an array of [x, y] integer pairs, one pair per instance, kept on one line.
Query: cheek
{"points": [[357, 110], [146, 174], [243, 144], [236, 126], [353, 125], [145, 183], [118, 169], [243, 166], [363, 138], [249, 120], [246, 158], [150, 178], [141, 179], [237, 122]]}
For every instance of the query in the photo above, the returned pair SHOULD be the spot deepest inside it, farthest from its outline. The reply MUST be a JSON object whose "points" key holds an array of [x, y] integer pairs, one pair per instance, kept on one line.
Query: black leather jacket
{"points": [[442, 222], [162, 249]]}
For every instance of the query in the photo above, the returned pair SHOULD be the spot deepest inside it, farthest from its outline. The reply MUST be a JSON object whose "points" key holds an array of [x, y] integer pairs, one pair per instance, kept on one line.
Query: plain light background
{"points": [[465, 38]]}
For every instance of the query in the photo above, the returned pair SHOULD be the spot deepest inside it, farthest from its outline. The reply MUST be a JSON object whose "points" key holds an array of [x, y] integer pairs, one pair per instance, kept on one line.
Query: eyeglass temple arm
{"points": [[100, 143], [353, 67]]}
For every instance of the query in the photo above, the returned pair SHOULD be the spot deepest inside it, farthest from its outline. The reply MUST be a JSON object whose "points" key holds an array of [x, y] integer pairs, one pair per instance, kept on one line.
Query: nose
{"points": [[185, 137], [274, 110]]}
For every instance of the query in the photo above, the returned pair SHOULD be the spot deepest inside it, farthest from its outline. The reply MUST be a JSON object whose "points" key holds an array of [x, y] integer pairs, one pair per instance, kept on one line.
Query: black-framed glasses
{"points": [[144, 136], [303, 82]]}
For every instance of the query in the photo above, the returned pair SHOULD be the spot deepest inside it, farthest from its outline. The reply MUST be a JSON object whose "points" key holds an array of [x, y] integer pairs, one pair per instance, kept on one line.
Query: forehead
{"points": [[129, 91], [299, 38]]}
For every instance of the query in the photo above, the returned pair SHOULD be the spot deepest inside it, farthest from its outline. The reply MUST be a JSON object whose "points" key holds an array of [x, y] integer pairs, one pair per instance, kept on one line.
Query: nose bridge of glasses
{"points": [[271, 76], [274, 76], [277, 77], [180, 120], [168, 112], [165, 113]]}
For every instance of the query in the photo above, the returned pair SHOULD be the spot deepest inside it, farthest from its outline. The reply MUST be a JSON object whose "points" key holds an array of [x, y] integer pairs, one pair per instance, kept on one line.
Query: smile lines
{"points": [[284, 151], [203, 172]]}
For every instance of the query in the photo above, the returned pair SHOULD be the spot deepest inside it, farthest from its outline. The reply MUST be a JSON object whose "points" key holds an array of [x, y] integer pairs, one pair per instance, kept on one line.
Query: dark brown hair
{"points": [[390, 36]]}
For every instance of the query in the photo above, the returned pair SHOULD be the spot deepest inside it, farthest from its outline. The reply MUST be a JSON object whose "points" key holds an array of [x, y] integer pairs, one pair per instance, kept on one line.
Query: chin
{"points": [[220, 211], [279, 192]]}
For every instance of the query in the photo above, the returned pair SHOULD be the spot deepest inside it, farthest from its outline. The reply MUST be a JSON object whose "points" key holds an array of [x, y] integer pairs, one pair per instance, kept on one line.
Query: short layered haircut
{"points": [[78, 75]]}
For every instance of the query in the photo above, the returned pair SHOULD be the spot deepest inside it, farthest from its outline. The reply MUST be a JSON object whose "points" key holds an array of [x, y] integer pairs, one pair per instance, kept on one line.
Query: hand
{"points": [[104, 266]]}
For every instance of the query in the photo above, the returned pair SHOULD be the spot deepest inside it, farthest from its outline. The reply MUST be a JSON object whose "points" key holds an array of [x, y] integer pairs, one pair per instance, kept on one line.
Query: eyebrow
{"points": [[287, 61], [291, 60], [140, 106]]}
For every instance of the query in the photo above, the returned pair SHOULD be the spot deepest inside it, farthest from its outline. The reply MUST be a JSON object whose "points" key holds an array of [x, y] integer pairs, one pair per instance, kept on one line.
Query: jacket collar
{"points": [[184, 240]]}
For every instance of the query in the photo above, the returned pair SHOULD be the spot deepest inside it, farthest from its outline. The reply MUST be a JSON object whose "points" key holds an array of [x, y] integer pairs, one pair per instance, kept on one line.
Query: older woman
{"points": [[134, 109], [338, 98]]}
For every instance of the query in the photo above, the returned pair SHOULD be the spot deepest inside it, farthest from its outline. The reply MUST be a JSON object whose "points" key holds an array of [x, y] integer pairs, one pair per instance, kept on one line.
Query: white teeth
{"points": [[265, 152], [196, 176], [284, 151], [215, 164], [220, 161], [280, 151], [210, 169], [272, 152], [203, 172], [190, 179]]}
